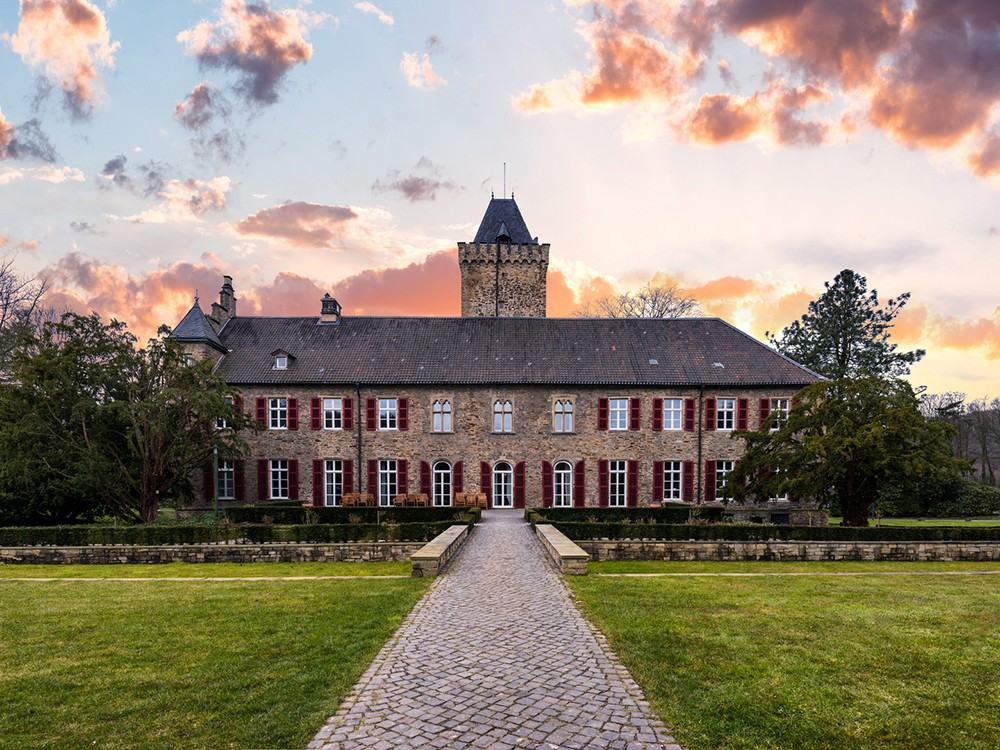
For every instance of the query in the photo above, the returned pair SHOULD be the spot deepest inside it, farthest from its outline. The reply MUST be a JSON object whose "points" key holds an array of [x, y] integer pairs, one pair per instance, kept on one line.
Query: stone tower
{"points": [[504, 268]]}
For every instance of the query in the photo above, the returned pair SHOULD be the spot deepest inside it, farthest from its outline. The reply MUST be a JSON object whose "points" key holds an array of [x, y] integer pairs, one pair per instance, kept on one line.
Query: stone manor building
{"points": [[529, 410]]}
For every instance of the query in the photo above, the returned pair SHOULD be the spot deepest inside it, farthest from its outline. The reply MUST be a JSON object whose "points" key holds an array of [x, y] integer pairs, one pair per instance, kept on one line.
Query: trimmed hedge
{"points": [[669, 514], [283, 514], [762, 532]]}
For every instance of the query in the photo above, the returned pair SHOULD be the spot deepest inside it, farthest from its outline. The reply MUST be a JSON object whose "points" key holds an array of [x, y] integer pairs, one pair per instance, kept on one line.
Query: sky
{"points": [[748, 150]]}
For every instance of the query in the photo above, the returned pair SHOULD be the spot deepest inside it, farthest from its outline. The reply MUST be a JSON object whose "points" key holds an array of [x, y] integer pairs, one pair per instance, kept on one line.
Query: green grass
{"points": [[850, 566], [982, 521], [810, 663], [206, 570], [189, 664]]}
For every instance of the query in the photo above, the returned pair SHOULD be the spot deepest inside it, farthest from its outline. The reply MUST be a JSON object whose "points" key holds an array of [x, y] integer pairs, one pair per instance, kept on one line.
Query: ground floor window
{"points": [[722, 469], [333, 485], [442, 483], [672, 472], [225, 482], [617, 484], [562, 485], [388, 481], [279, 478]]}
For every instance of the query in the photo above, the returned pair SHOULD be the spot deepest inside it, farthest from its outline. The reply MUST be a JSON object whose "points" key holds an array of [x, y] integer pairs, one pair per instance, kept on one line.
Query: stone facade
{"points": [[503, 280]]}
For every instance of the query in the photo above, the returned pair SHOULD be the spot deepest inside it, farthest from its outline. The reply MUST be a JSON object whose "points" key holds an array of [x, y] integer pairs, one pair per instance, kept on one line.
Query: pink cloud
{"points": [[302, 224]]}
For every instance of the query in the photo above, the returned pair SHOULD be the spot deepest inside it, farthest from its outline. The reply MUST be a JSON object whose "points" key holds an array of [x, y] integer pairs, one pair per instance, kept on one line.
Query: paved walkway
{"points": [[495, 656]]}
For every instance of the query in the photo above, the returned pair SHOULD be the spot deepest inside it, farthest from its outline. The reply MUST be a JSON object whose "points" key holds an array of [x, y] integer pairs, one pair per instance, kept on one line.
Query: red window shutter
{"points": [[371, 414], [547, 488], [293, 414], [709, 413], [687, 481], [372, 488], [579, 484], [519, 480], [315, 413], [402, 479], [742, 413], [603, 485], [319, 483], [484, 481], [602, 413], [293, 479], [458, 477], [632, 484], [348, 413], [239, 481], [348, 466], [208, 482], [425, 478], [263, 485], [657, 481], [689, 414], [709, 481], [657, 414], [262, 411], [765, 410], [404, 414], [634, 413]]}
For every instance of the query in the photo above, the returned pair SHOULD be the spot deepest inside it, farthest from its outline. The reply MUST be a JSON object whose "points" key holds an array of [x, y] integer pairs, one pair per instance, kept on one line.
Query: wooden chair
{"points": [[459, 500]]}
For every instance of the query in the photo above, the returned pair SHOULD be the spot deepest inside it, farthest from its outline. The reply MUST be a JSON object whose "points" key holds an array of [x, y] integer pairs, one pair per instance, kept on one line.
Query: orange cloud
{"points": [[6, 136], [722, 118], [986, 161], [562, 300], [70, 40], [302, 224], [260, 44], [419, 71]]}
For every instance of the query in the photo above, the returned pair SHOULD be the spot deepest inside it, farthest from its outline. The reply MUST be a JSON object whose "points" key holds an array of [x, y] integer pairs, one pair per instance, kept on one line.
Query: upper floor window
{"points": [[725, 414], [779, 412], [333, 413], [281, 362], [617, 483], [441, 415], [503, 416], [277, 410], [562, 486], [618, 414], [673, 414], [222, 423], [722, 470], [225, 485], [388, 414], [562, 415]]}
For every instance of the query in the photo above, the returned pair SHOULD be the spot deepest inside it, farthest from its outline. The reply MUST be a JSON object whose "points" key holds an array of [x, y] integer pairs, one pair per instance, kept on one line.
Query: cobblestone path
{"points": [[495, 656]]}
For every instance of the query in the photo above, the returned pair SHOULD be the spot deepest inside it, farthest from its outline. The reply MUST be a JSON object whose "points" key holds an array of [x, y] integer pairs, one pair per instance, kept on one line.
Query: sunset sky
{"points": [[746, 149]]}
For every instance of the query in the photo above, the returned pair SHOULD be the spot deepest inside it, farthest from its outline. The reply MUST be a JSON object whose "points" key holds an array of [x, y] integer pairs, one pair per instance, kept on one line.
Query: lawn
{"points": [[206, 570], [186, 664], [893, 662], [753, 566]]}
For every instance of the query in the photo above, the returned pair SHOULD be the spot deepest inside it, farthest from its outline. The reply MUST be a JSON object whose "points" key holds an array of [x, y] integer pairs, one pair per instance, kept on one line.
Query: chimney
{"points": [[225, 308], [330, 310]]}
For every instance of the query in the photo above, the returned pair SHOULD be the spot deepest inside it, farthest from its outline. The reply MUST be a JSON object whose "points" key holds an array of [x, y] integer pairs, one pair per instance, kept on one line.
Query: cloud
{"points": [[186, 200], [419, 71], [985, 162], [84, 227], [25, 141], [416, 187], [70, 41], [380, 14], [302, 224], [113, 173], [259, 44], [55, 175], [205, 105]]}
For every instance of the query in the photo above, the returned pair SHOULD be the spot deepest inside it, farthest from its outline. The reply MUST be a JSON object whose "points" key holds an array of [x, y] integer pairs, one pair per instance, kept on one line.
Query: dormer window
{"points": [[281, 362]]}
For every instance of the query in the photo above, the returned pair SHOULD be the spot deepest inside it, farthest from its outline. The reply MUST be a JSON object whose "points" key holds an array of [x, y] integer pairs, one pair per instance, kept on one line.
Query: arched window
{"points": [[503, 416], [503, 485], [441, 416], [562, 417], [441, 485], [562, 474]]}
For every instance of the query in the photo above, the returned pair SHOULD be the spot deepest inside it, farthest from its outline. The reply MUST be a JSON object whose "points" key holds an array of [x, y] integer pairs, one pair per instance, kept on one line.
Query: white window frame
{"points": [[725, 413], [618, 414], [225, 480], [333, 481], [503, 415], [562, 484], [673, 414], [723, 467], [388, 481], [778, 498], [673, 480], [333, 413], [277, 413], [278, 479], [442, 484], [280, 361], [617, 483], [562, 415], [388, 414], [503, 484], [222, 423], [779, 410], [441, 415]]}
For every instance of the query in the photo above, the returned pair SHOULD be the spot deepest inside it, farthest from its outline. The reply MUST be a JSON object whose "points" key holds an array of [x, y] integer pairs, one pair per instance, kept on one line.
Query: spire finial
{"points": [[505, 177], [491, 195], [196, 296]]}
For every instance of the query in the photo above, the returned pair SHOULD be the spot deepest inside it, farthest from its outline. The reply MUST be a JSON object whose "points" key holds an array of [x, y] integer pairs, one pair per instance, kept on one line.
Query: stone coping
{"points": [[431, 559], [566, 554]]}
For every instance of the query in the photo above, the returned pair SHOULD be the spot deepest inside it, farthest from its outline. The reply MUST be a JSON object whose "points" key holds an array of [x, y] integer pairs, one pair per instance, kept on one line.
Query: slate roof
{"points": [[503, 351], [194, 327], [503, 217]]}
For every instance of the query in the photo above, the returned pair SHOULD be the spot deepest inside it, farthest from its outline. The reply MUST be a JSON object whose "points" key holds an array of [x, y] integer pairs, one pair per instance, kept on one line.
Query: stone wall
{"points": [[209, 553], [792, 551], [522, 280]]}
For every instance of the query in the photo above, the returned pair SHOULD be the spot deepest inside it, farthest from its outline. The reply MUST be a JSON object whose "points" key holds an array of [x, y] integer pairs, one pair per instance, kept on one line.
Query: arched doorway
{"points": [[503, 485]]}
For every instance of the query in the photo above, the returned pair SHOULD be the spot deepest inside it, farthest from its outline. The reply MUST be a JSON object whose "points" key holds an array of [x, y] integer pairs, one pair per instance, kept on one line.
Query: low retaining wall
{"points": [[567, 555], [210, 553], [431, 559], [602, 550]]}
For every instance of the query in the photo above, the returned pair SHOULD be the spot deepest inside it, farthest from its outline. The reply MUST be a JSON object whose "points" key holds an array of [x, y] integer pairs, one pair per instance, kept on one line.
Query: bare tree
{"points": [[665, 301], [984, 425], [20, 307]]}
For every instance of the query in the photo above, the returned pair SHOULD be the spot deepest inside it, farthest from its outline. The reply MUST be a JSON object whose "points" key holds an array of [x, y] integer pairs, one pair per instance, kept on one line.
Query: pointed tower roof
{"points": [[503, 219], [194, 328]]}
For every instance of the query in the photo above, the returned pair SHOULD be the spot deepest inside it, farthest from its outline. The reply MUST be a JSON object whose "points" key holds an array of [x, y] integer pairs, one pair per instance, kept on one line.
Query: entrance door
{"points": [[503, 485]]}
